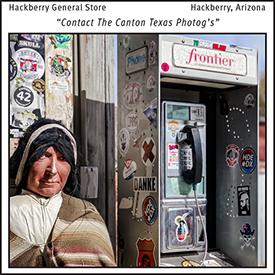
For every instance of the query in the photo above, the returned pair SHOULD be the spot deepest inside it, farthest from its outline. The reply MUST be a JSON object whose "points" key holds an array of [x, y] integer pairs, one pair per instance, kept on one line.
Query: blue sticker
{"points": [[150, 111], [248, 160]]}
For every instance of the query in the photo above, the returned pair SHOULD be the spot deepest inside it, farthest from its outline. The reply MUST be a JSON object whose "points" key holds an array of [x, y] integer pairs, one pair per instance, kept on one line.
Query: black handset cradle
{"points": [[193, 138]]}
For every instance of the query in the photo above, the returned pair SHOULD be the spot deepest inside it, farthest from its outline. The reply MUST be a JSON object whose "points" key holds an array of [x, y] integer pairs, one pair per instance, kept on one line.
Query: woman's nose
{"points": [[52, 167]]}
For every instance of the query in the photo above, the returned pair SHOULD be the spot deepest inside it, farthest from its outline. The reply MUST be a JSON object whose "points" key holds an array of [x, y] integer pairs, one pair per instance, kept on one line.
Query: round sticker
{"points": [[249, 101], [165, 67], [148, 151], [126, 41], [248, 160], [123, 141], [149, 209], [151, 83], [132, 95], [23, 96], [59, 65], [13, 69], [38, 85], [132, 121], [30, 64], [129, 169]]}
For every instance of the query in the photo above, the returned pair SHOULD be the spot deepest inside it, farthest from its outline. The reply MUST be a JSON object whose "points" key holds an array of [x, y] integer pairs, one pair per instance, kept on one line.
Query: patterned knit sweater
{"points": [[79, 238]]}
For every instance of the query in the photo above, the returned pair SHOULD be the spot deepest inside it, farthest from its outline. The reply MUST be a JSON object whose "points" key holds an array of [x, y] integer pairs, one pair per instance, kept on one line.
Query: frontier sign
{"points": [[191, 57]]}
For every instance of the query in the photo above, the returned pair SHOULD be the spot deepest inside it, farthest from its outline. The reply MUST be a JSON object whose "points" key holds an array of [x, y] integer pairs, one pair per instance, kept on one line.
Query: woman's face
{"points": [[48, 175]]}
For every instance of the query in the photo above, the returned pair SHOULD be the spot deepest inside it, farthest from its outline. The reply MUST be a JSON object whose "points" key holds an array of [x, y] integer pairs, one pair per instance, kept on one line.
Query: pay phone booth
{"points": [[187, 152]]}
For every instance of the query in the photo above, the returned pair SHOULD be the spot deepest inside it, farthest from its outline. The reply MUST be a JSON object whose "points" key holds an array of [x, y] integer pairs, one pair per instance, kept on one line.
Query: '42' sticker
{"points": [[23, 96]]}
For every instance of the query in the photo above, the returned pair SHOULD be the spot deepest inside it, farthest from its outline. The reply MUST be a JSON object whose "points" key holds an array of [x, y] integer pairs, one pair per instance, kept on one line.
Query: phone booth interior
{"points": [[206, 168]]}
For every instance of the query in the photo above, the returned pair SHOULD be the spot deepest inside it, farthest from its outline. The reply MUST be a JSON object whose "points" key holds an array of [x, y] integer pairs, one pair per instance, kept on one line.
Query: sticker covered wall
{"points": [[27, 81], [59, 76], [137, 149]]}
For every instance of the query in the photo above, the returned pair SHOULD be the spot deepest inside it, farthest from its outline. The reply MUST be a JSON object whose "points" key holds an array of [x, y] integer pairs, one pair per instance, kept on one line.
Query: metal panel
{"points": [[236, 131], [137, 154], [166, 57]]}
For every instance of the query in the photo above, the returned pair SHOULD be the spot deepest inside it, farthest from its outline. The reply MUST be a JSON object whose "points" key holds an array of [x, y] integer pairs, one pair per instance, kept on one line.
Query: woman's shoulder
{"points": [[73, 208]]}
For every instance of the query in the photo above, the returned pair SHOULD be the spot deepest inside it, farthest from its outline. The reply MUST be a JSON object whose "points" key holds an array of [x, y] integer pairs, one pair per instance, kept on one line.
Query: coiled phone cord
{"points": [[203, 226]]}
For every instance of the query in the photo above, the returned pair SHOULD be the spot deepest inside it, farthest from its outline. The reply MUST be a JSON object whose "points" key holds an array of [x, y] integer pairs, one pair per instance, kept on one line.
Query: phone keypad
{"points": [[186, 162]]}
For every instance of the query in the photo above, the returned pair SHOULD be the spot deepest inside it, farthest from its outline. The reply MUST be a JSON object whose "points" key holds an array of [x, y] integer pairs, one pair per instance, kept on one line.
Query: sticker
{"points": [[248, 160], [232, 155], [145, 253], [13, 69], [132, 95], [62, 40], [203, 44], [14, 37], [30, 64], [244, 200], [150, 111], [132, 121], [151, 83], [249, 101], [182, 229], [173, 128], [38, 85], [241, 48], [136, 60], [129, 169], [23, 121], [190, 263], [126, 41], [137, 139], [126, 203], [145, 184], [123, 141], [216, 254], [19, 82], [173, 157], [165, 67], [33, 37], [59, 65], [148, 151], [15, 133], [149, 210], [14, 145], [247, 236], [152, 53], [31, 44], [23, 96], [57, 85], [219, 47], [211, 263]]}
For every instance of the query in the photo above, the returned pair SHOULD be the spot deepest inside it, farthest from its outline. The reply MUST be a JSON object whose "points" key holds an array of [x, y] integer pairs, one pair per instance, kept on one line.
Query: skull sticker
{"points": [[247, 236]]}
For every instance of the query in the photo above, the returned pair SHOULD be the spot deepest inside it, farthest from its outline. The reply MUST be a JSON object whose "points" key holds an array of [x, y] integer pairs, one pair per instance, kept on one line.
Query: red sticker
{"points": [[219, 47], [165, 67]]}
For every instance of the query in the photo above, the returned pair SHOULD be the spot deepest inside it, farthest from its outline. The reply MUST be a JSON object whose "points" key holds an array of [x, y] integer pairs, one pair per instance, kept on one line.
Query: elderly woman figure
{"points": [[49, 225]]}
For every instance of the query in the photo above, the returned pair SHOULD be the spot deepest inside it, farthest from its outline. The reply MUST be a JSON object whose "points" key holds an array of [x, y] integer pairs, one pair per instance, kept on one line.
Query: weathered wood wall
{"points": [[96, 77]]}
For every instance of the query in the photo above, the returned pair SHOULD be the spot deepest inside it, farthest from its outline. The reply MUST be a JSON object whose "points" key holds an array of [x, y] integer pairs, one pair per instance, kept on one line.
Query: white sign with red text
{"points": [[186, 56]]}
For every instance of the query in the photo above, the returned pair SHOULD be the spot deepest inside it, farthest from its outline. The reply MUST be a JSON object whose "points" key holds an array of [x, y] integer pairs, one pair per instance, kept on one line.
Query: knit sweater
{"points": [[79, 238]]}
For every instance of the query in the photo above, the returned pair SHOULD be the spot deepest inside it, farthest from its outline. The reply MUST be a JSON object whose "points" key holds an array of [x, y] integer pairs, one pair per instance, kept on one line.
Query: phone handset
{"points": [[191, 136]]}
